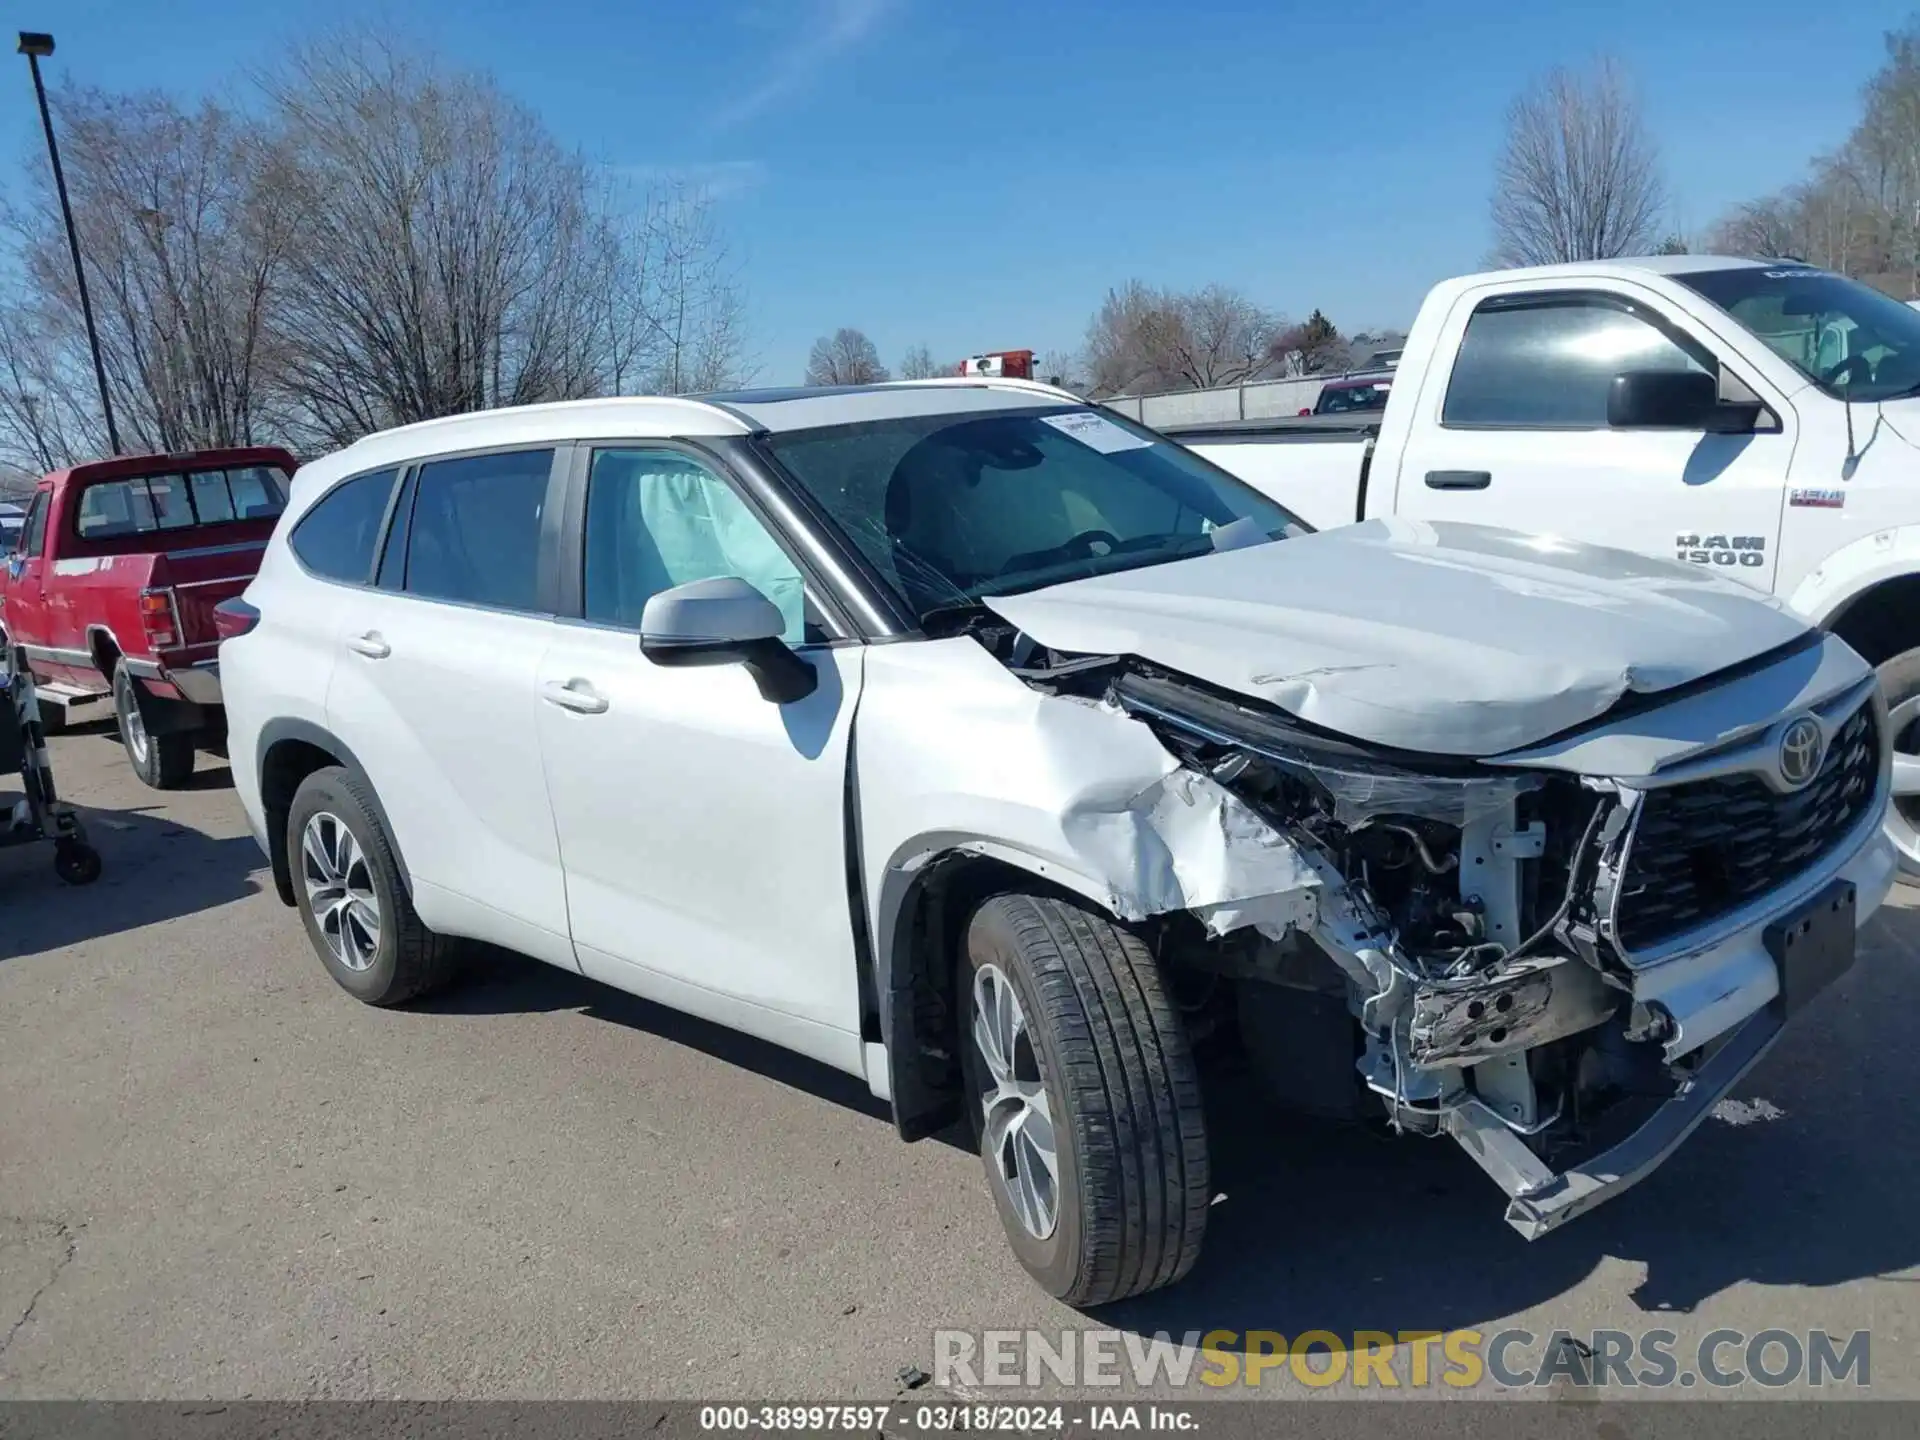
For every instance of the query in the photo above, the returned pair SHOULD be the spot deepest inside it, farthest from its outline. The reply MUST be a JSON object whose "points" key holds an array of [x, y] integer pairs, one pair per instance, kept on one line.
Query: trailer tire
{"points": [[1900, 683], [163, 761], [1101, 1072], [396, 958]]}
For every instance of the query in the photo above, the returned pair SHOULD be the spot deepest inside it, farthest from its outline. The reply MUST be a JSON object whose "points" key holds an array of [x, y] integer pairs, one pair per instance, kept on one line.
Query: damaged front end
{"points": [[1563, 972]]}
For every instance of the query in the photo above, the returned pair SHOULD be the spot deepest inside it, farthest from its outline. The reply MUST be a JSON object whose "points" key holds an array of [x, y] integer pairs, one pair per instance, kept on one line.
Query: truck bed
{"points": [[1315, 465]]}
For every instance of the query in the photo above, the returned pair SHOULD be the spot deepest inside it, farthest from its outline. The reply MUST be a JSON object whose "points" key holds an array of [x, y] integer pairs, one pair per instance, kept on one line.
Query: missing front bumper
{"points": [[1810, 948], [1545, 1201]]}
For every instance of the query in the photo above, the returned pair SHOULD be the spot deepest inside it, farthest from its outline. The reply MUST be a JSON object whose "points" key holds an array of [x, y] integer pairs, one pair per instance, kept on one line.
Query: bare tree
{"points": [[671, 299], [1143, 339], [1578, 177], [387, 240], [1313, 347], [1059, 367], [182, 256], [846, 357], [1857, 211], [449, 258], [46, 394], [918, 364]]}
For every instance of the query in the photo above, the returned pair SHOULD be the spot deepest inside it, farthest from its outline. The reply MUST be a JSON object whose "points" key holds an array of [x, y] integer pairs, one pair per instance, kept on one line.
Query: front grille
{"points": [[1702, 850]]}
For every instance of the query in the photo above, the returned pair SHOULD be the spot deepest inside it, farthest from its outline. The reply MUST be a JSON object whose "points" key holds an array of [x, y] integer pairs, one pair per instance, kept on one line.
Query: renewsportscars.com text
{"points": [[1411, 1359]]}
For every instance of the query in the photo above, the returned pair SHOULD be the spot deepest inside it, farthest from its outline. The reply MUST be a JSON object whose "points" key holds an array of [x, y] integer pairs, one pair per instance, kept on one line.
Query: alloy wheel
{"points": [[133, 727], [340, 893], [1017, 1136]]}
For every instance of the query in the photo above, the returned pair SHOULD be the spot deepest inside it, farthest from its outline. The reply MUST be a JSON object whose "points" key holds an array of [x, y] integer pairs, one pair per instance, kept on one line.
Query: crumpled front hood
{"points": [[1438, 637]]}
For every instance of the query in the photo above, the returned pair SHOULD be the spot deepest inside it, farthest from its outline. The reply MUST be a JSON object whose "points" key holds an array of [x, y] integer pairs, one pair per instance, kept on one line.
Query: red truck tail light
{"points": [[233, 618], [157, 620]]}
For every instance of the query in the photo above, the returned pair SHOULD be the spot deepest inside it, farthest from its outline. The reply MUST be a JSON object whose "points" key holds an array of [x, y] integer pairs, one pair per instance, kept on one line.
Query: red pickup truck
{"points": [[111, 586]]}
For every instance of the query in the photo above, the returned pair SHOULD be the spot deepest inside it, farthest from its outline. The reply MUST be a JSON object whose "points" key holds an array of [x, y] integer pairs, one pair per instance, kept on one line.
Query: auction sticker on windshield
{"points": [[1096, 431]]}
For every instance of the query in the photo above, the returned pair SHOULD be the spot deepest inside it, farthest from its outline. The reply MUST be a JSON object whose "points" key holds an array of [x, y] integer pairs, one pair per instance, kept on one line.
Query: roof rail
{"points": [[541, 407], [997, 382]]}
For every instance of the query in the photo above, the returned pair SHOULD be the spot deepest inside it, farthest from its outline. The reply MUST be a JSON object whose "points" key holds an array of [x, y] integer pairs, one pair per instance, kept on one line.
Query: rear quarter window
{"points": [[336, 538]]}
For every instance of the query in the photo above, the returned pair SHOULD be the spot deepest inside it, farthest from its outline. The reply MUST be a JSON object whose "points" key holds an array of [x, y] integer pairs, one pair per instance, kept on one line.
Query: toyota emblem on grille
{"points": [[1801, 747]]}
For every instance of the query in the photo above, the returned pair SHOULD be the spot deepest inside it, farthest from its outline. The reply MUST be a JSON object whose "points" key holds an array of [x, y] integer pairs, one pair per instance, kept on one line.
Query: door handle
{"points": [[576, 695], [1458, 479], [371, 645]]}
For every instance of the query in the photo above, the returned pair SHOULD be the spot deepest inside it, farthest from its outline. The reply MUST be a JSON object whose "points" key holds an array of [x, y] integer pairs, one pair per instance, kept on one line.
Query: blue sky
{"points": [[974, 174]]}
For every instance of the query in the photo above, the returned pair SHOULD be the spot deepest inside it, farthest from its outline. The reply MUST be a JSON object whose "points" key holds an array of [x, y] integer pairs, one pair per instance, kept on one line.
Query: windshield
{"points": [[1851, 341], [954, 507], [1338, 399]]}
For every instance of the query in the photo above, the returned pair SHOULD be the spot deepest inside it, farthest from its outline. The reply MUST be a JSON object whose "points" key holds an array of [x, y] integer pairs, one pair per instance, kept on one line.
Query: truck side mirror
{"points": [[1676, 400]]}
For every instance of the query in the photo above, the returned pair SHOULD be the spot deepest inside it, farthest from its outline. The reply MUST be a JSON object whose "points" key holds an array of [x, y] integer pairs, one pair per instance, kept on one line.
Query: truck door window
{"points": [[1548, 363], [33, 534]]}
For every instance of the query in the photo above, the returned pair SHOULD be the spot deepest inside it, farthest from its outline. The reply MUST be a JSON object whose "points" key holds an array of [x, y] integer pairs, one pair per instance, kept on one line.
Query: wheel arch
{"points": [[1881, 619], [105, 650], [288, 752], [926, 899]]}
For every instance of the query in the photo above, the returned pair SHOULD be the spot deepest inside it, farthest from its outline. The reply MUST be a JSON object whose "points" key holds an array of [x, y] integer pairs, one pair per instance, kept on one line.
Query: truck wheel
{"points": [[1086, 1101], [358, 915], [163, 761], [1900, 680]]}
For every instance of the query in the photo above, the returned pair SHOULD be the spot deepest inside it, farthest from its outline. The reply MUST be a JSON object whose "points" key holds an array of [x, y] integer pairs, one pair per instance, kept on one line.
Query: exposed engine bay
{"points": [[1461, 948]]}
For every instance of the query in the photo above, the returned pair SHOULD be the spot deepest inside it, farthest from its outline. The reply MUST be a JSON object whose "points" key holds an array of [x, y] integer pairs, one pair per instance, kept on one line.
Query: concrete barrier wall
{"points": [[1262, 400]]}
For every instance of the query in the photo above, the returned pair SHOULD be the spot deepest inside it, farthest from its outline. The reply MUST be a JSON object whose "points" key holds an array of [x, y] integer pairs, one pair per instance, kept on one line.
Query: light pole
{"points": [[33, 46]]}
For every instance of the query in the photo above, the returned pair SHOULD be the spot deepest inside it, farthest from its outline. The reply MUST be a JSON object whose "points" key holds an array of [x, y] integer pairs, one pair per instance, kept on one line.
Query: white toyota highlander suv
{"points": [[985, 745]]}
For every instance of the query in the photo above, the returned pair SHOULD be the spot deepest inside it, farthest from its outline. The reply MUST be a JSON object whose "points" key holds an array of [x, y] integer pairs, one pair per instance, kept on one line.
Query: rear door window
{"points": [[336, 538], [474, 535]]}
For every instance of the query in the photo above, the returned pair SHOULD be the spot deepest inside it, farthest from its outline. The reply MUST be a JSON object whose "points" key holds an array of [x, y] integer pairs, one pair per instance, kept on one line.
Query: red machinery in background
{"points": [[1000, 365]]}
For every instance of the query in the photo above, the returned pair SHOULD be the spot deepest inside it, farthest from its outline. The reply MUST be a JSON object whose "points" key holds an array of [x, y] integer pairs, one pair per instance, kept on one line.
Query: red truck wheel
{"points": [[164, 761]]}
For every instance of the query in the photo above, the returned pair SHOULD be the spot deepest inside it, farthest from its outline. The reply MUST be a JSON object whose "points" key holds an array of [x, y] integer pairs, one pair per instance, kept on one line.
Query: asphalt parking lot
{"points": [[220, 1177]]}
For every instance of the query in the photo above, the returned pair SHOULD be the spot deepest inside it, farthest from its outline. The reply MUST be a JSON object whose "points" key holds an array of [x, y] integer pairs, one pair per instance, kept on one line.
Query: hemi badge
{"points": [[1818, 499]]}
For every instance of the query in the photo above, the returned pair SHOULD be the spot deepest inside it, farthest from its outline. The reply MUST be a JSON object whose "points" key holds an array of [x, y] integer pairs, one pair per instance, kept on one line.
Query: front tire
{"points": [[1900, 682], [1085, 1099], [164, 762], [357, 912]]}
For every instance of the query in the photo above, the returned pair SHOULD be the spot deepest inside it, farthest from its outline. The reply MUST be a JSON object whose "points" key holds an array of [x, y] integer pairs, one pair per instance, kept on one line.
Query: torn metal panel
{"points": [[1442, 638], [1185, 843], [1075, 791], [1360, 788]]}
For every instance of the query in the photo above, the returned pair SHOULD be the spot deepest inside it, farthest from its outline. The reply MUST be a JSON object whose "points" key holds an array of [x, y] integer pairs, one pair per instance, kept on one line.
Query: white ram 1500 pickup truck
{"points": [[1757, 419]]}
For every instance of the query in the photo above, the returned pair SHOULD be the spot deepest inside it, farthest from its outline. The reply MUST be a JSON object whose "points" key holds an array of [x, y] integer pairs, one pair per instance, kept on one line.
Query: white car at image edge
{"points": [[992, 748]]}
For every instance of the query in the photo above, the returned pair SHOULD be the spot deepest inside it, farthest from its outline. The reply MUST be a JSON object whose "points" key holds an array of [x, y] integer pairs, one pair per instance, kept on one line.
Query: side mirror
{"points": [[725, 621], [1676, 400]]}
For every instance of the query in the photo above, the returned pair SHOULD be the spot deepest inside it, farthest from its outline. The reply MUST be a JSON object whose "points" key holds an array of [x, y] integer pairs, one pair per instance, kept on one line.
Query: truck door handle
{"points": [[1458, 479], [576, 695], [371, 645]]}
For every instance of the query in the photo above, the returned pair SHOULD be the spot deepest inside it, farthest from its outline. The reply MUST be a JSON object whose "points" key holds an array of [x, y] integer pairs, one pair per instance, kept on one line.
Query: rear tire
{"points": [[1101, 1081], [1900, 682], [164, 762], [347, 885]]}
